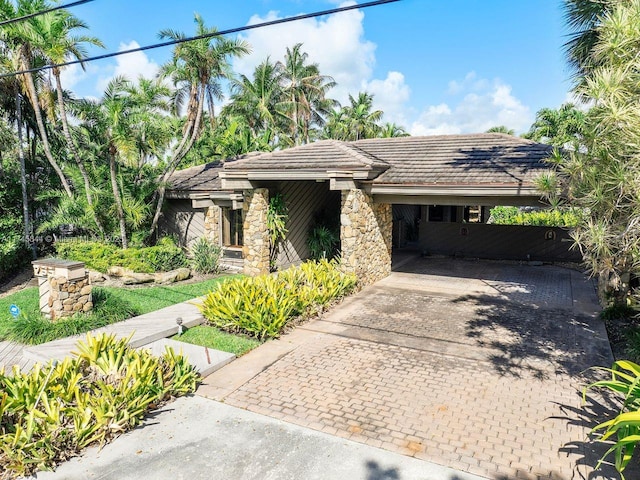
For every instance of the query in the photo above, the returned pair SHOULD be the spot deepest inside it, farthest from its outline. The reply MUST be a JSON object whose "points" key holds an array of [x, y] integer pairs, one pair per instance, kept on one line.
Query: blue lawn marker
{"points": [[14, 310]]}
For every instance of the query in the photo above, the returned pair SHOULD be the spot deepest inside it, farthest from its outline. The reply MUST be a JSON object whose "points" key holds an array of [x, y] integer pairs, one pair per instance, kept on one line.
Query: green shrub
{"points": [[623, 430], [544, 218], [323, 242], [262, 306], [53, 412], [205, 256], [14, 254], [99, 256]]}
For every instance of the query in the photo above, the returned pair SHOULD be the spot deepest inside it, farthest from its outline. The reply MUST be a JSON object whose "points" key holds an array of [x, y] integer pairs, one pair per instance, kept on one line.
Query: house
{"points": [[433, 193]]}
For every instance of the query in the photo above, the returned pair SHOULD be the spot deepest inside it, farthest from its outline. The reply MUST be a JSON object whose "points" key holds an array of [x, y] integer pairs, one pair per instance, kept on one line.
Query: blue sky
{"points": [[454, 66]]}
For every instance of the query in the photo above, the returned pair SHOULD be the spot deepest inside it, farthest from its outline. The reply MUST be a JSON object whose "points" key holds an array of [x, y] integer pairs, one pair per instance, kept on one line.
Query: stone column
{"points": [[256, 235], [64, 287], [365, 235], [212, 224]]}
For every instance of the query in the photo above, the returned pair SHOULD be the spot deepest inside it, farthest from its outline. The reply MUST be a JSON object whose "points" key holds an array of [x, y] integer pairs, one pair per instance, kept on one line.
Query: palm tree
{"points": [[57, 44], [501, 129], [196, 68], [584, 18], [558, 127], [22, 39], [306, 90], [391, 130], [259, 101], [361, 121]]}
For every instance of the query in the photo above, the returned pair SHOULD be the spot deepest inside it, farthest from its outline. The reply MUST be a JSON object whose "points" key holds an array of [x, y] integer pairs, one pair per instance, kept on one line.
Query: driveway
{"points": [[477, 366]]}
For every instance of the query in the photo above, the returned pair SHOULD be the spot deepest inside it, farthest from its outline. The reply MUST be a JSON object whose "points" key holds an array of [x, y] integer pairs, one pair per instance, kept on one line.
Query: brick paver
{"points": [[489, 385]]}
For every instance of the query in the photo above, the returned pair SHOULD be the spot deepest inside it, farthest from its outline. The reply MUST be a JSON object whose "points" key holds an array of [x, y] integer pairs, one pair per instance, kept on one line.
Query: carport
{"points": [[432, 192]]}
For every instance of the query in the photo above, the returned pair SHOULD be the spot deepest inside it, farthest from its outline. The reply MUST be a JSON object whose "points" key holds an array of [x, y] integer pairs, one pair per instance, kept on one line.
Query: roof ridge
{"points": [[359, 154]]}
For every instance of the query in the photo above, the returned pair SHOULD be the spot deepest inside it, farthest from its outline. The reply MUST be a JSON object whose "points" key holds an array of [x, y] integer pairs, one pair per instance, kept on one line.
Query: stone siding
{"points": [[67, 297], [365, 235], [212, 224], [256, 235]]}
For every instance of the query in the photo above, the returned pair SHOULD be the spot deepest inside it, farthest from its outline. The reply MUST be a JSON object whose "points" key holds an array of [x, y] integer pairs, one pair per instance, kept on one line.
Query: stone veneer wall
{"points": [[256, 235], [212, 224], [67, 297], [365, 235]]}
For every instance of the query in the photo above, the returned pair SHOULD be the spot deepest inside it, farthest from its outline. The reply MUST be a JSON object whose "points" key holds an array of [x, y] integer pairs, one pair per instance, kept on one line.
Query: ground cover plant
{"points": [[263, 306], [111, 304], [211, 337], [56, 410], [163, 257]]}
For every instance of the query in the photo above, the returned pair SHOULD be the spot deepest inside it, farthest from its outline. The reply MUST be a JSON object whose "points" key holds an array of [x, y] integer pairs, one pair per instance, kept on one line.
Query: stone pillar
{"points": [[64, 287], [256, 235], [365, 234], [212, 224]]}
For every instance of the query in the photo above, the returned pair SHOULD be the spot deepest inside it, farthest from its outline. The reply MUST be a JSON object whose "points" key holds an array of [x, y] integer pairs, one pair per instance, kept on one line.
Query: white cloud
{"points": [[481, 104], [391, 96], [131, 66], [336, 43]]}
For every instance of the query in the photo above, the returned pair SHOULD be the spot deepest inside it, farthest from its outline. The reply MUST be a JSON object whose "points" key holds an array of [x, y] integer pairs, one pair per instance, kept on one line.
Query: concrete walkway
{"points": [[476, 366], [194, 438]]}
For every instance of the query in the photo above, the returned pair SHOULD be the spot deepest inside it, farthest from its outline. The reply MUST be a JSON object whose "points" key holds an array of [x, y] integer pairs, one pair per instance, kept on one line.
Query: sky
{"points": [[433, 66]]}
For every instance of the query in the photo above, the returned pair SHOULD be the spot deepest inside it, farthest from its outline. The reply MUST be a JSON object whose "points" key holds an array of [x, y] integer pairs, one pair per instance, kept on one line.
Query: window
{"points": [[232, 227]]}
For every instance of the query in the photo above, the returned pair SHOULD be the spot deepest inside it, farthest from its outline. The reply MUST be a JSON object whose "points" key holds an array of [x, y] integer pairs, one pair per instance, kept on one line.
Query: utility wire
{"points": [[42, 12], [200, 37]]}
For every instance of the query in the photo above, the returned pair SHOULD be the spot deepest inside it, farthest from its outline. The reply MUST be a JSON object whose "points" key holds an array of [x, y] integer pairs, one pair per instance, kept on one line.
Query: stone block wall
{"points": [[68, 296], [256, 235], [365, 235], [212, 219]]}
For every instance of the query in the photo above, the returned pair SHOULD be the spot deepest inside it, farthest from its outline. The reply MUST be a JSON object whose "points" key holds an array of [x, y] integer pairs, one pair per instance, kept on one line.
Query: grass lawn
{"points": [[111, 305], [211, 337]]}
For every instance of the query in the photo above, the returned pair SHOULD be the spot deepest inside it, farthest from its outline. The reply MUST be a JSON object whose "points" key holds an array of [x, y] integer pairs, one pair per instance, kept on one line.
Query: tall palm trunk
{"points": [[74, 152], [177, 156], [33, 97], [117, 198]]}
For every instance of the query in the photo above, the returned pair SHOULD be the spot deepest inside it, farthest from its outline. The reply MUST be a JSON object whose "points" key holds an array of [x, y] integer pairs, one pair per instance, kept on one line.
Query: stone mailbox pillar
{"points": [[64, 287]]}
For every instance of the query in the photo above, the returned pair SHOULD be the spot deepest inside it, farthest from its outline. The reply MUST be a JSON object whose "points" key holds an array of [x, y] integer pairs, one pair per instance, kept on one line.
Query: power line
{"points": [[42, 12], [200, 37]]}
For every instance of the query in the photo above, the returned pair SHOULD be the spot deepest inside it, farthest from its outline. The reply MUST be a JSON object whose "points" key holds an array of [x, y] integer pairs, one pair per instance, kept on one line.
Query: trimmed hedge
{"points": [[100, 256], [544, 218]]}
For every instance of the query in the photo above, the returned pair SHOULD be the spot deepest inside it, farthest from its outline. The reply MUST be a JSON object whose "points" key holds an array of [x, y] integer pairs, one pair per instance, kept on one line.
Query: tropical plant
{"points": [[603, 176], [391, 130], [563, 127], [624, 428], [323, 242], [546, 218], [205, 256], [502, 129], [263, 306], [52, 412], [356, 121], [277, 216], [196, 69]]}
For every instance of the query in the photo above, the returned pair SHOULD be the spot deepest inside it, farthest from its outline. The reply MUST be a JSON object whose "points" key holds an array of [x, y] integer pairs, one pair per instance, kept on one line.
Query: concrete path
{"points": [[194, 438], [477, 366]]}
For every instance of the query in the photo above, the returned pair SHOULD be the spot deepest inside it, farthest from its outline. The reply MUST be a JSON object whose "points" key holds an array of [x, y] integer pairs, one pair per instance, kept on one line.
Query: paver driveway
{"points": [[474, 365]]}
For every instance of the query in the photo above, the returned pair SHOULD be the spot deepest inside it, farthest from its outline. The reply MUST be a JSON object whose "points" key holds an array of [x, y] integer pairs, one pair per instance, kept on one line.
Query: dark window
{"points": [[436, 213], [232, 228]]}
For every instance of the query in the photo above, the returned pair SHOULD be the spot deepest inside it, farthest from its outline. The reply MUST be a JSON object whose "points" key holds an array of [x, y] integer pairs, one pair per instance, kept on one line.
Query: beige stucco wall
{"points": [[365, 234]]}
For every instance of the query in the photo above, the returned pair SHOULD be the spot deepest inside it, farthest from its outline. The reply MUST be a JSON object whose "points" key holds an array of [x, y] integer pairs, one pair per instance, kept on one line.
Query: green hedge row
{"points": [[100, 256], [542, 218]]}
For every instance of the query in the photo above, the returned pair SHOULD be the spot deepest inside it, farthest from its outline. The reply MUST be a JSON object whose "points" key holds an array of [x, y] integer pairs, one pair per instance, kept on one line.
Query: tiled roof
{"points": [[323, 155], [478, 159], [475, 159]]}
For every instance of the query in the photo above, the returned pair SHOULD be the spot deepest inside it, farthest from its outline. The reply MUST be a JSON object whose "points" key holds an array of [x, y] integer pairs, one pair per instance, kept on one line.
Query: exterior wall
{"points": [[183, 221], [508, 242], [303, 200], [365, 234], [212, 224], [256, 236]]}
